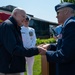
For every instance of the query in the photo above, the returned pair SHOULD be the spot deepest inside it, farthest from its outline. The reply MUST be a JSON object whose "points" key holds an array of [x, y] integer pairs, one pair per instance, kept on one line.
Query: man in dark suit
{"points": [[12, 52], [65, 55]]}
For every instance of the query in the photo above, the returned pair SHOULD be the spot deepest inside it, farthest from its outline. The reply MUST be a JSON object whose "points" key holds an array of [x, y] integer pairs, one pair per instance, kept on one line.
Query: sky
{"points": [[43, 9]]}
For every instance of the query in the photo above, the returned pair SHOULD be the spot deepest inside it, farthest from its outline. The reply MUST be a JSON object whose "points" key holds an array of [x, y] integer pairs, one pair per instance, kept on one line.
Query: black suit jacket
{"points": [[12, 52], [65, 55]]}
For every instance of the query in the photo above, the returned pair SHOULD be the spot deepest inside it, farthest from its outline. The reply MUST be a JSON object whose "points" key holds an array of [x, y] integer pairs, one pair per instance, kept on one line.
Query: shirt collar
{"points": [[12, 19]]}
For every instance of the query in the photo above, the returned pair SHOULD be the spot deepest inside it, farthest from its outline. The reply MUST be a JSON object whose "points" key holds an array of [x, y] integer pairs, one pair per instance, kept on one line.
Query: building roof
{"points": [[11, 7], [8, 8], [53, 23]]}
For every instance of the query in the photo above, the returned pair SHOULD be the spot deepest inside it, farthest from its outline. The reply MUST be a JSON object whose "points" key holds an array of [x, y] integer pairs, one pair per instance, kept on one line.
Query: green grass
{"points": [[37, 61], [37, 65]]}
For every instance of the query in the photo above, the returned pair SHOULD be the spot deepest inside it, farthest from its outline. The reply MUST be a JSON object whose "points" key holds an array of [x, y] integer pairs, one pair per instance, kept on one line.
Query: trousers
{"points": [[29, 65], [12, 74]]}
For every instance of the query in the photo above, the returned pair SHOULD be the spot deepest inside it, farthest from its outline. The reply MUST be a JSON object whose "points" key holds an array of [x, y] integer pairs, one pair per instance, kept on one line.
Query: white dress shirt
{"points": [[28, 36]]}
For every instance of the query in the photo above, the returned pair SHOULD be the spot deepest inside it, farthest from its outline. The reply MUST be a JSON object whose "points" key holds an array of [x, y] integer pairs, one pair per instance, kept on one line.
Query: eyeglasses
{"points": [[27, 19], [59, 11]]}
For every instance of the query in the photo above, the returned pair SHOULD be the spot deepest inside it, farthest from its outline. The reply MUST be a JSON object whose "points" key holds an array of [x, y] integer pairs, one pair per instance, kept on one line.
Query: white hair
{"points": [[17, 10]]}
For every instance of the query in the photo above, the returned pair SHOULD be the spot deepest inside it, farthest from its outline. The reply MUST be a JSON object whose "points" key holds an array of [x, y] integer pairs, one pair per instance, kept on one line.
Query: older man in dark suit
{"points": [[12, 52], [65, 55]]}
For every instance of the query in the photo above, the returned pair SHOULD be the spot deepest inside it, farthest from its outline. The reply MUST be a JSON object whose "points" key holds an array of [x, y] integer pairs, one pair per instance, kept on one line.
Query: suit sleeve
{"points": [[12, 46], [67, 52]]}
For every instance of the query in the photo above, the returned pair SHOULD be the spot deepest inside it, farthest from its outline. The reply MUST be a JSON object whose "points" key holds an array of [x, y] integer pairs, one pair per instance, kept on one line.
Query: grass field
{"points": [[37, 65], [37, 62]]}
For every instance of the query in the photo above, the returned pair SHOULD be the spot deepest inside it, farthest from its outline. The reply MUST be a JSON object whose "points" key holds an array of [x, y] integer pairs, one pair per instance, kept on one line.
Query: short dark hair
{"points": [[27, 19]]}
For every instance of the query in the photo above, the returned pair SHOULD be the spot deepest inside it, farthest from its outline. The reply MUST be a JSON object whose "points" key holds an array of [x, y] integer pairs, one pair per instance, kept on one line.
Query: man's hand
{"points": [[42, 51], [45, 46]]}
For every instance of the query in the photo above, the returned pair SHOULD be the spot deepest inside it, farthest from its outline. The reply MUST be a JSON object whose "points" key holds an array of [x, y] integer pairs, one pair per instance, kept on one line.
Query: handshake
{"points": [[43, 48]]}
